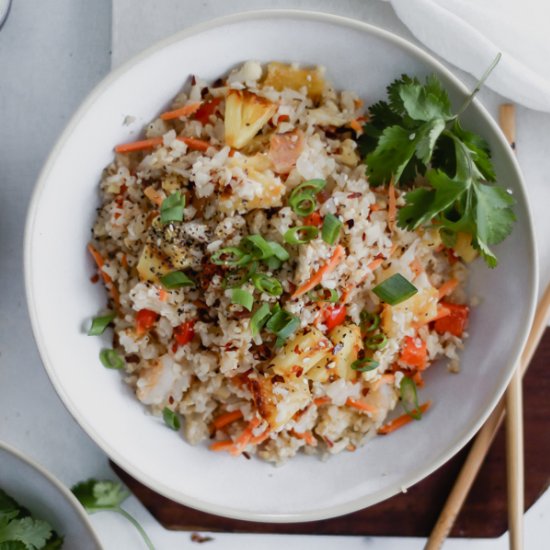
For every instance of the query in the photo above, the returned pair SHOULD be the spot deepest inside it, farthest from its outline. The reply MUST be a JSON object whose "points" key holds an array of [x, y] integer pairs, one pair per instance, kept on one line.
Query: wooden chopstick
{"points": [[483, 440], [514, 406]]}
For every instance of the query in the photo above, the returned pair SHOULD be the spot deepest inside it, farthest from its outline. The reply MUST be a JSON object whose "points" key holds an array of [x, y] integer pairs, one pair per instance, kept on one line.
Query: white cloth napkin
{"points": [[470, 33]]}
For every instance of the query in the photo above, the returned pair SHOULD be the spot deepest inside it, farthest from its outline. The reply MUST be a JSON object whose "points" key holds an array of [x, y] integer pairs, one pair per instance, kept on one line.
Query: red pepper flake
{"points": [[328, 441], [355, 195], [196, 537], [94, 278]]}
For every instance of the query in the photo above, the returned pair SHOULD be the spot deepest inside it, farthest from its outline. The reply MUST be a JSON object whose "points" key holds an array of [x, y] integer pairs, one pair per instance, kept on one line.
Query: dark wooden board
{"points": [[413, 513]]}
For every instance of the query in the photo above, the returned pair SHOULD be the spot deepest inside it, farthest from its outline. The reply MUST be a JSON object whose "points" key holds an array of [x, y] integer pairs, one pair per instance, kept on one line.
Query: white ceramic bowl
{"points": [[358, 57], [46, 498]]}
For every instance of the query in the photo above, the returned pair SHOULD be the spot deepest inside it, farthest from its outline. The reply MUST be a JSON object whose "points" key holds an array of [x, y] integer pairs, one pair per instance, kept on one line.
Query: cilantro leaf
{"points": [[100, 495], [414, 133], [425, 102], [33, 533], [97, 496], [12, 545], [7, 504]]}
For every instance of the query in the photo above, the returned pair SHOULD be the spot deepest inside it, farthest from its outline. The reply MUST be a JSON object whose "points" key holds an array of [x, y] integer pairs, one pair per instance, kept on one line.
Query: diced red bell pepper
{"points": [[414, 353], [456, 322], [314, 219], [334, 316], [145, 319], [202, 114], [184, 333]]}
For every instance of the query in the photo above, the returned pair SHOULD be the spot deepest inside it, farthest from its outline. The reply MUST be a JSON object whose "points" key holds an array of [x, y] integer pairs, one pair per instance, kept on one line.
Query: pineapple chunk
{"points": [[277, 402], [323, 370], [245, 115], [302, 353], [420, 308], [281, 76], [152, 265], [463, 247], [347, 345], [172, 183]]}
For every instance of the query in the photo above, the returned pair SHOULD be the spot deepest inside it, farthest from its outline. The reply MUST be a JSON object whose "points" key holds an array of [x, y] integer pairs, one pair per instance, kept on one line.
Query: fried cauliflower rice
{"points": [[240, 243]]}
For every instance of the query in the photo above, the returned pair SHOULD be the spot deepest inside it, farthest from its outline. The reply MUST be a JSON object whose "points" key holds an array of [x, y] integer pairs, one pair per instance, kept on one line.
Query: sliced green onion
{"points": [[99, 324], [377, 341], [301, 235], [230, 256], [176, 279], [110, 359], [331, 228], [279, 251], [283, 324], [259, 319], [409, 398], [171, 419], [171, 209], [395, 289], [319, 295], [256, 246], [267, 284], [369, 321], [242, 298], [273, 263], [302, 199], [364, 365], [234, 279]]}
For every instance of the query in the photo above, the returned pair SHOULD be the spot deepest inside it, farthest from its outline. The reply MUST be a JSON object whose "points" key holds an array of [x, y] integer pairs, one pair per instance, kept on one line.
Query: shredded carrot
{"points": [[392, 206], [153, 195], [100, 262], [358, 103], [226, 419], [322, 401], [141, 145], [308, 437], [360, 405], [124, 261], [316, 279], [260, 438], [356, 127], [377, 262], [401, 421], [446, 288], [186, 110], [225, 445], [163, 295], [416, 267], [244, 439], [374, 207], [384, 379], [351, 448], [195, 144], [442, 311], [418, 380]]}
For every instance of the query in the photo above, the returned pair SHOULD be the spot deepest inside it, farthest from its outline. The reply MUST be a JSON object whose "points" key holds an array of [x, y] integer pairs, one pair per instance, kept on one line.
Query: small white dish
{"points": [[57, 268], [46, 498]]}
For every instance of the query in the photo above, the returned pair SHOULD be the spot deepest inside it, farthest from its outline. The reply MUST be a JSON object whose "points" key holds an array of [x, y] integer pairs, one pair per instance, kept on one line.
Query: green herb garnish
{"points": [[302, 199], [394, 290], [98, 496], [176, 279], [415, 132], [301, 235], [20, 531], [110, 359], [377, 341], [283, 324], [270, 285], [230, 256], [279, 251], [242, 298], [171, 419], [369, 321], [409, 398], [99, 324], [320, 295], [259, 319], [257, 247], [331, 228], [171, 209], [365, 365]]}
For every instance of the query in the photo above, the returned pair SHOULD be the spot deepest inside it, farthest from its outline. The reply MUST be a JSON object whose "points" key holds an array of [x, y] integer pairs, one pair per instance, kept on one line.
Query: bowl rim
{"points": [[165, 490], [73, 501]]}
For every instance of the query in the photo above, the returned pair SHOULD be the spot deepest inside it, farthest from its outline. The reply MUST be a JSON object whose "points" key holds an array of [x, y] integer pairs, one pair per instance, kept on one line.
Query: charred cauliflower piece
{"points": [[245, 115]]}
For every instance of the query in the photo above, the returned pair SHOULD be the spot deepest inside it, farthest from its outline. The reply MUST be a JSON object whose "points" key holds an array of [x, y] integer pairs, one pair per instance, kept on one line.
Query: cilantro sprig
{"points": [[98, 496], [20, 531], [415, 133]]}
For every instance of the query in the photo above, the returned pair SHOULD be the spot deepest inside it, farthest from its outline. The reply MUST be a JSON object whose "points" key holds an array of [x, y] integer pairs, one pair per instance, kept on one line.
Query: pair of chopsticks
{"points": [[512, 404]]}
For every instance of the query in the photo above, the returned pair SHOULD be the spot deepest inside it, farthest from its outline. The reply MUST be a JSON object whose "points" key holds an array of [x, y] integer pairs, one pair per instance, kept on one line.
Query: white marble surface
{"points": [[51, 55]]}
